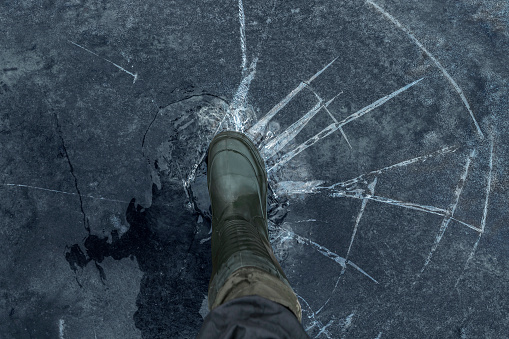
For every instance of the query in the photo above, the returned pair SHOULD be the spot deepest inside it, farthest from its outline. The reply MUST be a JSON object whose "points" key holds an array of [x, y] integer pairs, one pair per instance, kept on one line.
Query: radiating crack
{"points": [[335, 126], [257, 131], [276, 144]]}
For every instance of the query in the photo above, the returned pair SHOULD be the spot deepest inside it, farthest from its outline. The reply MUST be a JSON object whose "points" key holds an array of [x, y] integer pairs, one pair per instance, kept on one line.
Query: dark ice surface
{"points": [[383, 125]]}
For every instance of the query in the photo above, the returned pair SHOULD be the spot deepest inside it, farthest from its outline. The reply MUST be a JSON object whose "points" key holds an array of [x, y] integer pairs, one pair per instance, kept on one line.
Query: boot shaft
{"points": [[237, 183]]}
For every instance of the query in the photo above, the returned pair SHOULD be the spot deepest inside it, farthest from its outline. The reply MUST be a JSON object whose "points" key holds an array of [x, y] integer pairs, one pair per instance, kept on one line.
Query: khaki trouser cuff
{"points": [[253, 281]]}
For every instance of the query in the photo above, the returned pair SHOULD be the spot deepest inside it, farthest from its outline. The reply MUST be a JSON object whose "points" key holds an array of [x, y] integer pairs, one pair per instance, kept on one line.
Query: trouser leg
{"points": [[254, 281]]}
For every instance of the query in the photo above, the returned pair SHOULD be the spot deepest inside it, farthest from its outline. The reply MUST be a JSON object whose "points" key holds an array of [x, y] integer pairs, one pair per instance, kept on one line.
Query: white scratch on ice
{"points": [[134, 75], [451, 209], [61, 328], [437, 63], [62, 192], [286, 188], [335, 126], [256, 130], [192, 175], [276, 144], [242, 22]]}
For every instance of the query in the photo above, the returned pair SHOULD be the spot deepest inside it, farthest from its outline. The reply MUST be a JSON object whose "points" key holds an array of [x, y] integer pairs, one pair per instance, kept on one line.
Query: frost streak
{"points": [[348, 320], [260, 126], [242, 22], [61, 328], [134, 75], [297, 187], [335, 126], [62, 192], [276, 144]]}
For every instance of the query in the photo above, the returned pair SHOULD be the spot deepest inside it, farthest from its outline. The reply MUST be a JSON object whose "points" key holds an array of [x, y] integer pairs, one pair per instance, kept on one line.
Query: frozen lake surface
{"points": [[383, 125]]}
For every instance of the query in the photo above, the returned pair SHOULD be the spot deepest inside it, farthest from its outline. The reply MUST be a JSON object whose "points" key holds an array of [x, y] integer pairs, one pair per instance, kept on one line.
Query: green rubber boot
{"points": [[243, 262]]}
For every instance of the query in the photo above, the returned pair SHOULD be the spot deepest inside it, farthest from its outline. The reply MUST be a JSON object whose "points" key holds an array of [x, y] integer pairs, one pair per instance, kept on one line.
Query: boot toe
{"points": [[233, 153], [236, 173]]}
